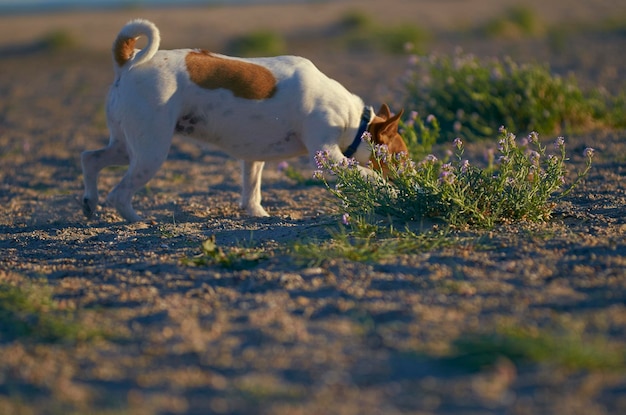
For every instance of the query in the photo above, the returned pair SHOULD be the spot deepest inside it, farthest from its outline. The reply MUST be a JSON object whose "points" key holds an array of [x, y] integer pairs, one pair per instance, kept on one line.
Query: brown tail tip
{"points": [[123, 49]]}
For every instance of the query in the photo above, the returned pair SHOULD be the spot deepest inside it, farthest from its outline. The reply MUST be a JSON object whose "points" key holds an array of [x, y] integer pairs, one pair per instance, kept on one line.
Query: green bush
{"points": [[58, 40], [260, 43], [521, 183], [472, 98], [30, 313], [361, 32], [563, 348], [517, 22]]}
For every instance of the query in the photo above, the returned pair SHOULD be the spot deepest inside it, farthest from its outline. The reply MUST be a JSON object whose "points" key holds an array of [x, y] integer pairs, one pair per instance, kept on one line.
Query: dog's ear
{"points": [[384, 128], [384, 112], [390, 126]]}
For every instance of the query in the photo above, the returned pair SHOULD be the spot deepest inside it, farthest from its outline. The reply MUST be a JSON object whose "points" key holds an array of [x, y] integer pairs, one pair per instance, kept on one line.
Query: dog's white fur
{"points": [[153, 96]]}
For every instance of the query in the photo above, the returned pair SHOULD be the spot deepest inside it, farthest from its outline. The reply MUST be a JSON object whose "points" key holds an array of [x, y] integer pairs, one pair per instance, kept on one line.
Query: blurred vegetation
{"points": [[58, 40], [564, 348], [258, 43], [517, 22], [236, 257], [30, 312], [472, 98], [360, 31]]}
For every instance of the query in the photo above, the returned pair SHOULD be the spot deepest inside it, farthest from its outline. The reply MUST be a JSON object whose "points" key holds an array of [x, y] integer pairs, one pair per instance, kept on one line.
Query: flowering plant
{"points": [[522, 183], [470, 96]]}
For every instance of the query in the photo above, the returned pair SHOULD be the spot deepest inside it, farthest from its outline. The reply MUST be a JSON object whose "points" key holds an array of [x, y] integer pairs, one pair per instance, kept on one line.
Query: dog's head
{"points": [[384, 130]]}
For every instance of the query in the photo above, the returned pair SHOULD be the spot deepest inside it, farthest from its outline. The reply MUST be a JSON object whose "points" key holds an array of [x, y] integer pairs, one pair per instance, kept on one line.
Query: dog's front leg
{"points": [[251, 187]]}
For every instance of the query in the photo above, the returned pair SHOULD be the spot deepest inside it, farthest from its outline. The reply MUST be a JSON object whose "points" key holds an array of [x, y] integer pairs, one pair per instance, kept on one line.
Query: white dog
{"points": [[254, 109]]}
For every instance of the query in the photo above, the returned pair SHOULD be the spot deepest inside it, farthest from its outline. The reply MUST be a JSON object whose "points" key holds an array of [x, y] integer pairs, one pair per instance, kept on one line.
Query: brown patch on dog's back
{"points": [[123, 49], [243, 79]]}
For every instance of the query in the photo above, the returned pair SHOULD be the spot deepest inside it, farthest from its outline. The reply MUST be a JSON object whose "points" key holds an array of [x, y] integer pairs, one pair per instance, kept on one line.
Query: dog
{"points": [[256, 110]]}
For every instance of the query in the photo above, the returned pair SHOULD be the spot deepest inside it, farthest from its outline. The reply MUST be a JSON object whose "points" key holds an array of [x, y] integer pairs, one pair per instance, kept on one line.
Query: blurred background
{"points": [[586, 36], [383, 51]]}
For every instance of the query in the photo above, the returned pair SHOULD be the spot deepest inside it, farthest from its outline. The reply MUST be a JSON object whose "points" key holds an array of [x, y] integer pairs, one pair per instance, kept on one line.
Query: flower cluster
{"points": [[520, 184]]}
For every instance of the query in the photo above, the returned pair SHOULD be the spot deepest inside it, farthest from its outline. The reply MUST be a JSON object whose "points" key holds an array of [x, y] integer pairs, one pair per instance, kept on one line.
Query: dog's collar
{"points": [[366, 117]]}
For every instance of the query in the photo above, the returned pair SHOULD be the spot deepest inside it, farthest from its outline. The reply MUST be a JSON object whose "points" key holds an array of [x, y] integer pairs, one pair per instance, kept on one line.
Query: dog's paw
{"points": [[256, 211], [89, 207]]}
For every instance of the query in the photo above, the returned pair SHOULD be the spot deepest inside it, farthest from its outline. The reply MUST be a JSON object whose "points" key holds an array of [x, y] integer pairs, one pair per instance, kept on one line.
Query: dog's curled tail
{"points": [[124, 53]]}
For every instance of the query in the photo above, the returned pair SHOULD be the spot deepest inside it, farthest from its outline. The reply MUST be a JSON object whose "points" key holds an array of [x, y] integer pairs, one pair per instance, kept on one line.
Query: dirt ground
{"points": [[284, 337]]}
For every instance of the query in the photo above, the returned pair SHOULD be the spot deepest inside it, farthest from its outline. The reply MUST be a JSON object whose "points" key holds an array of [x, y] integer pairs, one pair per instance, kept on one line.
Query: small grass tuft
{"points": [[232, 258], [29, 312], [370, 244], [522, 345]]}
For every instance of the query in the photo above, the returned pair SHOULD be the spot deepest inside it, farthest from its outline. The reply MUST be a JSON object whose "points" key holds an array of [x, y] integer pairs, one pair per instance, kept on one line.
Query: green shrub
{"points": [[361, 32], [356, 21], [260, 43], [518, 22], [402, 38], [520, 184], [522, 345], [471, 99], [29, 312], [58, 40]]}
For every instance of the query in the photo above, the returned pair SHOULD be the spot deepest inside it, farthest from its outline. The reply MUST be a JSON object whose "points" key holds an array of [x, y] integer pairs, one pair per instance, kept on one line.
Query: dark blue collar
{"points": [[365, 121]]}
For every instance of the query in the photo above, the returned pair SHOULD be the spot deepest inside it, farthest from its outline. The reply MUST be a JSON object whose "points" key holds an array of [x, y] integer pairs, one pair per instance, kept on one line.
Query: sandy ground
{"points": [[283, 337]]}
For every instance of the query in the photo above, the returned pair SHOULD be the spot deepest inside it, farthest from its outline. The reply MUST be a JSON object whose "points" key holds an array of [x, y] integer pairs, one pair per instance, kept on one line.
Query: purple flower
{"points": [[589, 152], [430, 119], [321, 158], [533, 137], [501, 143], [367, 137], [318, 175], [345, 219], [458, 143], [282, 166], [381, 152], [533, 156], [559, 143], [413, 115], [447, 167], [465, 164], [446, 176]]}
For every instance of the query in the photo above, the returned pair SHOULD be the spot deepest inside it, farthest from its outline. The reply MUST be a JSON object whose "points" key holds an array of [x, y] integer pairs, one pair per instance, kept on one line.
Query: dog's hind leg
{"points": [[94, 161], [251, 188]]}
